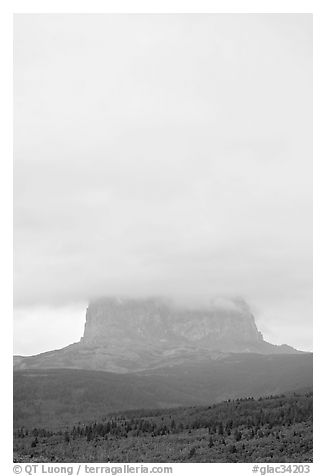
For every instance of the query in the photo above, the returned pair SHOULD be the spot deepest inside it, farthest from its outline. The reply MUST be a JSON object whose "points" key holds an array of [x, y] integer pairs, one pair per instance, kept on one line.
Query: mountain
{"points": [[56, 397], [129, 335]]}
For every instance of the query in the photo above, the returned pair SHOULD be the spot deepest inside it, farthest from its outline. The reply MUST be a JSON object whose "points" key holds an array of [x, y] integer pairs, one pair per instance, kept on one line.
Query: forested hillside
{"points": [[271, 429]]}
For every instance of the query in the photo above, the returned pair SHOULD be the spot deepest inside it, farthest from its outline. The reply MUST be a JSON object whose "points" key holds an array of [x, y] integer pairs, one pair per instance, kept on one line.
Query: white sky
{"points": [[165, 154]]}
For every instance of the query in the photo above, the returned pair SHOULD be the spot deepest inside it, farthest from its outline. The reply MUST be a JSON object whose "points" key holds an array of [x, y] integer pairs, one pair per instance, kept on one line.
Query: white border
{"points": [[6, 248]]}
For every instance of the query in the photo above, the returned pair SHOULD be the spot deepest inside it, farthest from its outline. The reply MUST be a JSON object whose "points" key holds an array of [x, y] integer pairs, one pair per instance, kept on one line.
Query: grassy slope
{"points": [[58, 397]]}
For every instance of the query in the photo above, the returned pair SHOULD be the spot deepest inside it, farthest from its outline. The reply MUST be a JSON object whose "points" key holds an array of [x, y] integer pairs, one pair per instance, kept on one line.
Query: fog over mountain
{"points": [[126, 335], [162, 155]]}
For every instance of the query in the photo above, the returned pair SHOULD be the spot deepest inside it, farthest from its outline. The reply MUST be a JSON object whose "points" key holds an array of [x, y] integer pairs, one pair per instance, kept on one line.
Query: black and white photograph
{"points": [[162, 238]]}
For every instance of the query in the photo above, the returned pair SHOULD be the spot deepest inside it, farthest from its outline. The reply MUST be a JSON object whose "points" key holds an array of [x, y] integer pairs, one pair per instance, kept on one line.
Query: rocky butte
{"points": [[129, 335]]}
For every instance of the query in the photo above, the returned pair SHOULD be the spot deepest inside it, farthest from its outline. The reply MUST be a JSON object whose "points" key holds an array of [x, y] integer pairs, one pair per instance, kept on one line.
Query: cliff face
{"points": [[129, 335], [157, 321]]}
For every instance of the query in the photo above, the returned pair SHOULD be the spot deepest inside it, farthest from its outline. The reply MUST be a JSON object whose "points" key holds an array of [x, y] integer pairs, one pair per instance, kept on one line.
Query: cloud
{"points": [[164, 155]]}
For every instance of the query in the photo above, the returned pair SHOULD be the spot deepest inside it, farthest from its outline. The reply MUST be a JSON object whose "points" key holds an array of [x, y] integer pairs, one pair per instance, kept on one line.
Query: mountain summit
{"points": [[127, 335], [162, 323]]}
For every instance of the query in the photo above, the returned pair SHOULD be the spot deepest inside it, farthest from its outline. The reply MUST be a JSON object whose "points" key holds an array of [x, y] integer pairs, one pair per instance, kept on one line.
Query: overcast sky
{"points": [[162, 154]]}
